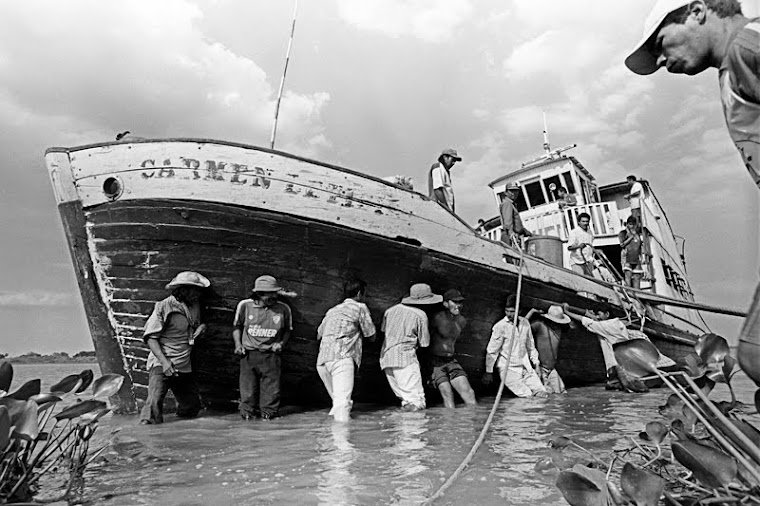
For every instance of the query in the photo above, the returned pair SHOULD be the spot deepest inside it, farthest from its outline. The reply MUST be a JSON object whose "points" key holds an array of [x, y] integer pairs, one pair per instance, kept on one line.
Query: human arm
{"points": [[166, 364], [423, 333], [365, 324], [530, 345], [199, 331], [237, 331], [288, 329], [440, 197], [533, 311], [505, 211], [573, 241]]}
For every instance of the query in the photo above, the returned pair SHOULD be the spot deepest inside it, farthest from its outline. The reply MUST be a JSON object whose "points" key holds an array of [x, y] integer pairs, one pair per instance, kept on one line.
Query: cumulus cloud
{"points": [[143, 66], [429, 20]]}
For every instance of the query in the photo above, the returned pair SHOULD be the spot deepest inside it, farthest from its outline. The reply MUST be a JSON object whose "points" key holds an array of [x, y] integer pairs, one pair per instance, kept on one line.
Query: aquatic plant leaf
{"points": [[5, 427], [6, 375], [560, 442], [26, 425], [618, 498], [693, 365], [86, 376], [749, 430], [80, 409], [66, 385], [638, 356], [44, 401], [757, 400], [710, 466], [688, 417], [28, 389], [711, 348], [106, 385], [644, 487], [656, 432], [673, 409], [678, 430], [92, 417], [583, 486]]}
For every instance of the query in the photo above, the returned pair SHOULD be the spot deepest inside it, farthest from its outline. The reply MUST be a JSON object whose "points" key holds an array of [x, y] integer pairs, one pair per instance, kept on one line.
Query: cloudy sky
{"points": [[379, 86]]}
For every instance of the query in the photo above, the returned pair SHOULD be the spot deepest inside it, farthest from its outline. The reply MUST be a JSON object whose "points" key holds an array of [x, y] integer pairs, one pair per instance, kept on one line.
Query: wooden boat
{"points": [[135, 213]]}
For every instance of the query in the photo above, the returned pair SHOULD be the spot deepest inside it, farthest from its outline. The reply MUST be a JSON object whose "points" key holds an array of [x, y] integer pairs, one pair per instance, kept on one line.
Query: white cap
{"points": [[641, 61]]}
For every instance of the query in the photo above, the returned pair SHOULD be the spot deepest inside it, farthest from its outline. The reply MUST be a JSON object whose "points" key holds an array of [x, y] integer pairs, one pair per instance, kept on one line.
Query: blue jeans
{"points": [[184, 388], [259, 383]]}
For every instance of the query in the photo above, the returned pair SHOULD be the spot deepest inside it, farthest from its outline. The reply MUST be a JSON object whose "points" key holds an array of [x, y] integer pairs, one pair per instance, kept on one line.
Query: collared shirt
{"points": [[613, 330], [739, 78], [440, 178], [172, 322], [406, 329], [501, 346], [576, 237], [510, 218], [638, 190], [341, 332], [262, 326]]}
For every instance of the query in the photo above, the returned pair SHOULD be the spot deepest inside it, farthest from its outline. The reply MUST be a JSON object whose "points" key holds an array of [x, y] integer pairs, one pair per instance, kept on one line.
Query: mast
{"points": [[282, 81], [547, 147]]}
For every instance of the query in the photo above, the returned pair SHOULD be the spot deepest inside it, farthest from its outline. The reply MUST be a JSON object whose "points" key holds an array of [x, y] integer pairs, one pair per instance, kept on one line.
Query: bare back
{"points": [[445, 329]]}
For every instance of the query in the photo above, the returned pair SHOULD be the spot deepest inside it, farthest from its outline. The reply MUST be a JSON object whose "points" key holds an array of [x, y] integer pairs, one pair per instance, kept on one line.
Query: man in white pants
{"points": [[340, 349], [406, 329]]}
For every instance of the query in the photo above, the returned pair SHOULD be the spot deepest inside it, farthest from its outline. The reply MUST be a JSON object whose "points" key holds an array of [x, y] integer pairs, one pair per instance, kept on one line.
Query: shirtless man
{"points": [[445, 328]]}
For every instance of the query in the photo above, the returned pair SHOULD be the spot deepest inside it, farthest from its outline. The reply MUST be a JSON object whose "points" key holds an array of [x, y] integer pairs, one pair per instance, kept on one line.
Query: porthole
{"points": [[113, 188]]}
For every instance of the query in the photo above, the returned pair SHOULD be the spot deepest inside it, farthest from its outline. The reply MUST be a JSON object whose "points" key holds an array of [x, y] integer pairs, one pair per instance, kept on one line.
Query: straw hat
{"points": [[188, 278], [421, 294], [557, 315], [266, 284]]}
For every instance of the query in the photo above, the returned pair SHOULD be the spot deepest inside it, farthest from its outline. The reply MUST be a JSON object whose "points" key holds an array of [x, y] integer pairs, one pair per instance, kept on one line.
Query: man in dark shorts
{"points": [[445, 328], [630, 242]]}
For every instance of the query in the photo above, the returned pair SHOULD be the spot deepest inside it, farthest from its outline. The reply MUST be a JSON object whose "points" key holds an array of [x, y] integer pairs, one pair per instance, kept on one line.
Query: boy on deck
{"points": [[262, 326]]}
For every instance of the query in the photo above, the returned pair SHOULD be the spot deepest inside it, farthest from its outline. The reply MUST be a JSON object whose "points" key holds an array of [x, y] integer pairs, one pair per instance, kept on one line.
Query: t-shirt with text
{"points": [[262, 326]]}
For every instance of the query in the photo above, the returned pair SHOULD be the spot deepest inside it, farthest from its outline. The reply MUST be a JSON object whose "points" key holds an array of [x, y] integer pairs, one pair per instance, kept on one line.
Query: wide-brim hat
{"points": [[452, 153], [421, 293], [188, 278], [641, 61], [557, 315], [266, 284]]}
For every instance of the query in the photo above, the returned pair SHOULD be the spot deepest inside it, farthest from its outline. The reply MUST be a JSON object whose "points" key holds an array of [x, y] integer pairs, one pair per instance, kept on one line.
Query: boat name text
{"points": [[208, 170]]}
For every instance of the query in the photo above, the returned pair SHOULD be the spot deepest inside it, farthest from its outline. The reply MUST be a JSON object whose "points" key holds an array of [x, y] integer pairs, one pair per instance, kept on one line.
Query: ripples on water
{"points": [[384, 456]]}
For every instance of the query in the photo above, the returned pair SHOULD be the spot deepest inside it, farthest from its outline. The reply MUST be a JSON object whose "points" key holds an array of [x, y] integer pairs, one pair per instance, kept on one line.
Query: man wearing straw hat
{"points": [[688, 37], [547, 332], [170, 332], [406, 328], [513, 352], [439, 178], [262, 326]]}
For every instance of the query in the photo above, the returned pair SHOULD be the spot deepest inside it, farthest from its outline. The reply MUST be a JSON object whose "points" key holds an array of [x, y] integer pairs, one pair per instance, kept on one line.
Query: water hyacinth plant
{"points": [[36, 441], [714, 456]]}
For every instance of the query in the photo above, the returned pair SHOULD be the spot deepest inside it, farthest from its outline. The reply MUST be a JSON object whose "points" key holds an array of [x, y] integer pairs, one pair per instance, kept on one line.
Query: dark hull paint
{"points": [[142, 244]]}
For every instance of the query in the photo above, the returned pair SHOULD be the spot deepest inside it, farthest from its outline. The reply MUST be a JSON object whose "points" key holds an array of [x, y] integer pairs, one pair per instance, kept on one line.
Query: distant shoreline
{"points": [[54, 358]]}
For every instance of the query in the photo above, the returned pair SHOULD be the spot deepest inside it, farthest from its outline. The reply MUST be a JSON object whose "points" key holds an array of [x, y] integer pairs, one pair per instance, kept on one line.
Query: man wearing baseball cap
{"points": [[445, 328], [687, 37], [511, 224], [439, 178]]}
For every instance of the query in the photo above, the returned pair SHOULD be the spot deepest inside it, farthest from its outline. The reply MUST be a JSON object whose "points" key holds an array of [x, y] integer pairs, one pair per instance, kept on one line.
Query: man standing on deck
{"points": [[687, 37], [262, 326], [635, 194], [580, 244], [513, 352], [439, 179], [445, 328], [406, 329], [511, 224], [340, 335], [547, 332]]}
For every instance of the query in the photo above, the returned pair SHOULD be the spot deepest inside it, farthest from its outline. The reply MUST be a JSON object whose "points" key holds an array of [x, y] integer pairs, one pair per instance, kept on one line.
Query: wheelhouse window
{"points": [[568, 178], [535, 194], [548, 182]]}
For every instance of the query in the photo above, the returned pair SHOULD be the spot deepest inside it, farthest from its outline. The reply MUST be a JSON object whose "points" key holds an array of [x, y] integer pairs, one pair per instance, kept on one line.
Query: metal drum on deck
{"points": [[546, 247]]}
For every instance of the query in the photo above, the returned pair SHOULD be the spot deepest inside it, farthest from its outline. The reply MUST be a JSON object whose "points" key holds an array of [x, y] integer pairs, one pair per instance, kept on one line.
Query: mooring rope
{"points": [[442, 489]]}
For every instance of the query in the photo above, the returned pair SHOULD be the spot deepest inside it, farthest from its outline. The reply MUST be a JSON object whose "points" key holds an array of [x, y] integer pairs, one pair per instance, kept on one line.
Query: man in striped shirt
{"points": [[406, 329], [341, 334]]}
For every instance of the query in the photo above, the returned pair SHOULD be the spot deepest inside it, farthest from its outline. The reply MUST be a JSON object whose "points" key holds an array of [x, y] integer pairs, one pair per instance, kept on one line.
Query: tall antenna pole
{"points": [[547, 147], [282, 81]]}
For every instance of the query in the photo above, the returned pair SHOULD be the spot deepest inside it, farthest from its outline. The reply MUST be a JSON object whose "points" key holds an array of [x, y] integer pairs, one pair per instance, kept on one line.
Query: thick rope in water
{"points": [[442, 489]]}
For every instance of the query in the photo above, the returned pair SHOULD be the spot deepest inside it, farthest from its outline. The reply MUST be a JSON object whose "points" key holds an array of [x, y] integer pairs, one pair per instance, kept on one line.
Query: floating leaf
{"points": [[5, 427], [86, 376], [688, 417], [678, 429], [80, 409], [28, 389], [106, 385], [560, 442], [710, 466], [643, 487], [583, 486], [26, 425], [711, 348], [67, 384], [638, 356], [673, 409], [6, 375], [655, 432]]}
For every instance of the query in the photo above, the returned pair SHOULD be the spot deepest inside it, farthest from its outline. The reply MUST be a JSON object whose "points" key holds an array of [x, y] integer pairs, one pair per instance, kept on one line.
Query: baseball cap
{"points": [[641, 61], [452, 153], [452, 294]]}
